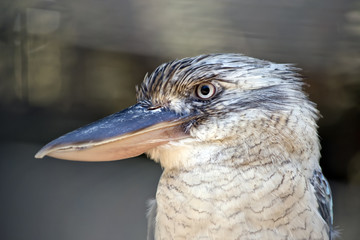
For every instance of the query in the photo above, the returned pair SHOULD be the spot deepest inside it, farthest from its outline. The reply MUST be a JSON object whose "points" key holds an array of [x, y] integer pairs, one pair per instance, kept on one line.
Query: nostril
{"points": [[153, 107]]}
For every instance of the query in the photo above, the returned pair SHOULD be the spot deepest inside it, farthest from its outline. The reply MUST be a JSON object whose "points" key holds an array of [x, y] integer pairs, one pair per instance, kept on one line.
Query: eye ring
{"points": [[205, 91]]}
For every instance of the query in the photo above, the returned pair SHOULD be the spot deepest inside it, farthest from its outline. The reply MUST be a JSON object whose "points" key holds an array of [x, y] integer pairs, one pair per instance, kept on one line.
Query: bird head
{"points": [[205, 108]]}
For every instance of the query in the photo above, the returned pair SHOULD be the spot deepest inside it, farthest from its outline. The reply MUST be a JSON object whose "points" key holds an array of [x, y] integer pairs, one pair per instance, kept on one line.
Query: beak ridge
{"points": [[124, 134]]}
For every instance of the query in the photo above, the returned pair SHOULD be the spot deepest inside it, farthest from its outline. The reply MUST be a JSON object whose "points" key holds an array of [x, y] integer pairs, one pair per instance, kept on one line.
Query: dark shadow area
{"points": [[67, 63], [54, 199]]}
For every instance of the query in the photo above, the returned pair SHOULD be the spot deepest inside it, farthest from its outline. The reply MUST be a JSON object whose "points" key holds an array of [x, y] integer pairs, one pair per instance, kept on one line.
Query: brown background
{"points": [[66, 63]]}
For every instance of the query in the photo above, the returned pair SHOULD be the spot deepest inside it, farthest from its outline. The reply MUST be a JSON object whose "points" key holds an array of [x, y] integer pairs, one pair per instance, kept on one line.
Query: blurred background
{"points": [[66, 63]]}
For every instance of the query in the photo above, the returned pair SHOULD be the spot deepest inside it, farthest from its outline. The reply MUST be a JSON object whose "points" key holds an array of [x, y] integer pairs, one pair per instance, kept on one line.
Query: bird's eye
{"points": [[205, 91]]}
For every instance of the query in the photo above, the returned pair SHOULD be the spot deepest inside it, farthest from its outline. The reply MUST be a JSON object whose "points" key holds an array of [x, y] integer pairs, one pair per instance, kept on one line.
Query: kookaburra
{"points": [[237, 139]]}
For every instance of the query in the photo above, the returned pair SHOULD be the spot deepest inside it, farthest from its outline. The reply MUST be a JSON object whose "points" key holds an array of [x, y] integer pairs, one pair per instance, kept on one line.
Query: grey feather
{"points": [[324, 199], [151, 216]]}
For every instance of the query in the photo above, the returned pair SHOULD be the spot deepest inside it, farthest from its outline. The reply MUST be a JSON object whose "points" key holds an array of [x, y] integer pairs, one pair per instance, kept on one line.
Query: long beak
{"points": [[125, 134]]}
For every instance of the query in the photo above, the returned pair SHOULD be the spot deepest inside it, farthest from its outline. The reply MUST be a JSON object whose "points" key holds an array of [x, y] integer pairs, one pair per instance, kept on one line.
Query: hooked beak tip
{"points": [[125, 134], [39, 155]]}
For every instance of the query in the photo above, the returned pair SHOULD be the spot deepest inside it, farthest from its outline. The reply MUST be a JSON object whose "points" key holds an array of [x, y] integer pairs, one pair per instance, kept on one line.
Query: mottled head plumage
{"points": [[243, 82], [250, 94], [175, 79]]}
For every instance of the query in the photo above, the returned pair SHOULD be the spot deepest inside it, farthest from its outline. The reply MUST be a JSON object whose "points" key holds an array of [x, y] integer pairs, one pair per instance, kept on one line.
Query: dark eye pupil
{"points": [[205, 90]]}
